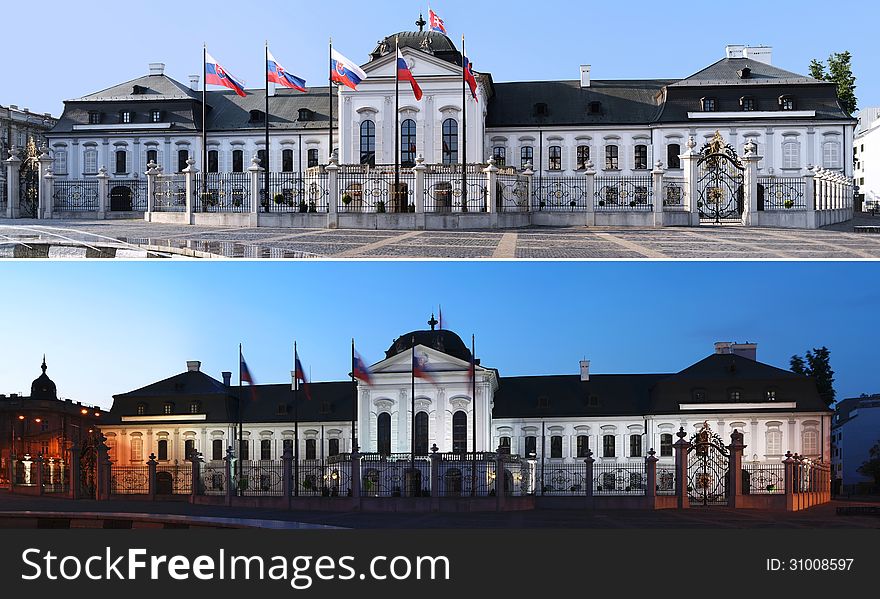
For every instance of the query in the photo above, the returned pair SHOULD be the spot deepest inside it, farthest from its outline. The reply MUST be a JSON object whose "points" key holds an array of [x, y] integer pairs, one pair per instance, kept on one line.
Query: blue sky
{"points": [[113, 327], [82, 47]]}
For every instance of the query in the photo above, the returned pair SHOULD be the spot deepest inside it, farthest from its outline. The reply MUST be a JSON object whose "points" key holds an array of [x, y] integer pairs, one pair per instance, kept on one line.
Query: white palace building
{"points": [[581, 151]]}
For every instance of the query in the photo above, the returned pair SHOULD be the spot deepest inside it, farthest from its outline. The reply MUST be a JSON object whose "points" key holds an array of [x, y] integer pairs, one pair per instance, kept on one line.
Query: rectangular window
{"points": [[709, 104], [120, 162], [774, 442], [237, 161], [156, 116], [90, 162], [583, 157], [831, 155], [126, 117], [583, 446], [612, 158], [94, 118], [311, 449], [287, 161], [287, 444], [555, 158], [504, 445], [641, 157], [265, 449], [163, 450], [635, 446], [531, 446], [786, 103], [673, 153], [137, 449], [332, 447], [791, 155], [527, 156], [217, 452], [263, 158], [500, 155], [243, 450], [608, 446], [556, 446], [168, 408], [182, 157], [61, 162], [189, 448], [213, 161], [665, 445], [152, 156], [313, 158], [748, 105]]}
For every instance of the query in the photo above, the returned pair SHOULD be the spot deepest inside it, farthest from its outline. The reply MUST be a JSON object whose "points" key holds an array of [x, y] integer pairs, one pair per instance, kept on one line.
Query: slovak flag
{"points": [[436, 22], [419, 371], [344, 71], [360, 370], [217, 75], [469, 77], [300, 374], [405, 74], [245, 376], [277, 74]]}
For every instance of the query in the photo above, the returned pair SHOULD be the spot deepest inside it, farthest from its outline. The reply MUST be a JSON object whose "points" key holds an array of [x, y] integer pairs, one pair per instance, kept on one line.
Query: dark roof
{"points": [[149, 87], [229, 111], [274, 403], [429, 42], [443, 341], [727, 72], [43, 387], [191, 382], [620, 103]]}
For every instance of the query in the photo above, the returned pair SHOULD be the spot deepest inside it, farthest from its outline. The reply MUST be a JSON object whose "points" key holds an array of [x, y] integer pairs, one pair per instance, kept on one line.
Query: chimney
{"points": [[194, 82], [227, 379], [743, 350], [585, 370], [735, 51], [193, 365], [157, 68], [759, 53], [585, 75]]}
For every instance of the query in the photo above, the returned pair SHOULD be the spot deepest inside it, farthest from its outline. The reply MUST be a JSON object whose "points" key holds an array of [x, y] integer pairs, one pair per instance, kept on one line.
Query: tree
{"points": [[871, 468], [839, 71], [817, 364]]}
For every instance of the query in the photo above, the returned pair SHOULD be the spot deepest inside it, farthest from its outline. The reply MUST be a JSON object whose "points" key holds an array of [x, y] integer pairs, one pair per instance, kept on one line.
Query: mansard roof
{"points": [[728, 71], [228, 111], [148, 87]]}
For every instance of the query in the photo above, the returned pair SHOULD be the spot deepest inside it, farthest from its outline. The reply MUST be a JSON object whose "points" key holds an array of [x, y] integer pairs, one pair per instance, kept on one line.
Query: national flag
{"points": [[245, 376], [278, 74], [405, 74], [419, 371], [436, 22], [360, 371], [344, 71], [472, 367], [300, 375], [217, 75], [469, 77]]}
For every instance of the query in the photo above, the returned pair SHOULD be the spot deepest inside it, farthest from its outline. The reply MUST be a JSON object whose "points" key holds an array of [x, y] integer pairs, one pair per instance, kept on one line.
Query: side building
{"points": [[866, 152], [856, 429]]}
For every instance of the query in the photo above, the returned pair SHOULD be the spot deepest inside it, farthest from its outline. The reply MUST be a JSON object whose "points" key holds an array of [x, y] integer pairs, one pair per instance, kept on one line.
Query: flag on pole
{"points": [[436, 22], [360, 371], [405, 74], [469, 77], [419, 371], [217, 75], [245, 376], [278, 74], [300, 374], [344, 71]]}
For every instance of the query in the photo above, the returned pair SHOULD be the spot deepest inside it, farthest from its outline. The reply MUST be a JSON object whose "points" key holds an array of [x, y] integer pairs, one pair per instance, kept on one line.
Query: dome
{"points": [[430, 42], [443, 341], [43, 387]]}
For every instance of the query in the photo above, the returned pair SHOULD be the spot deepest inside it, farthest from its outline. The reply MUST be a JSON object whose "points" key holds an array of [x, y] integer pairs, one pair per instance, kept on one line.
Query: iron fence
{"points": [[395, 475], [564, 479], [366, 189], [222, 192], [763, 478], [129, 480], [512, 192], [782, 193], [561, 194], [56, 476], [127, 195], [291, 192], [665, 481], [3, 200], [78, 195], [213, 475], [617, 479], [674, 194], [320, 478], [452, 188], [624, 194], [463, 477], [169, 193], [263, 478], [174, 479]]}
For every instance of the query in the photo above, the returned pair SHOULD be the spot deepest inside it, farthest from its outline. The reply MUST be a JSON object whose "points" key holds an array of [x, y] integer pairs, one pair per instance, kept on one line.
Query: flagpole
{"points": [[205, 121], [330, 96], [474, 418], [397, 131], [464, 198], [354, 408], [412, 457], [266, 166], [295, 424]]}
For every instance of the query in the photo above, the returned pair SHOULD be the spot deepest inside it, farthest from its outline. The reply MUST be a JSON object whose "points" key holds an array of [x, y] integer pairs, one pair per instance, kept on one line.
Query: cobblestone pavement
{"points": [[713, 243]]}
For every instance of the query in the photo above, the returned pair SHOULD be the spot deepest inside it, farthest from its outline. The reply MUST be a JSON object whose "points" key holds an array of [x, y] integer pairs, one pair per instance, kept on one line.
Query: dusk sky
{"points": [[76, 48], [112, 327]]}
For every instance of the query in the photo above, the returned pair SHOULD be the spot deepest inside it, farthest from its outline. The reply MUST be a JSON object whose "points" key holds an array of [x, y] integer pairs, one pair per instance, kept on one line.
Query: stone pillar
{"points": [[590, 192], [789, 481], [689, 162], [681, 448], [189, 174], [74, 470], [750, 185], [195, 460], [13, 191], [287, 474], [231, 485], [657, 182], [355, 479], [734, 482], [258, 199], [529, 174], [152, 180], [810, 197], [419, 171], [332, 170], [38, 479], [102, 480], [588, 476], [651, 478], [435, 479], [151, 477], [491, 172], [500, 495], [44, 209], [103, 191]]}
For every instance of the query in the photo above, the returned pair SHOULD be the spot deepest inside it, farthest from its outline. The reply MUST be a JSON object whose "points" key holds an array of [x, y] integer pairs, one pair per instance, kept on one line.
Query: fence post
{"points": [[47, 188], [657, 181], [103, 189], [789, 481], [810, 197], [491, 172], [435, 479], [13, 190], [588, 475], [689, 162], [590, 191], [229, 482], [750, 185], [287, 474], [257, 198], [355, 480], [189, 174], [500, 495], [419, 189], [196, 476], [74, 470], [529, 174], [102, 478], [332, 170], [151, 477], [651, 478], [152, 175], [681, 448], [734, 481], [38, 464], [44, 193]]}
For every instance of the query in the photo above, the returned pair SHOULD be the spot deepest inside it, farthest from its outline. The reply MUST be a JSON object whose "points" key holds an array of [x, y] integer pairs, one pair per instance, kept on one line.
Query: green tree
{"points": [[839, 71], [872, 467], [817, 364]]}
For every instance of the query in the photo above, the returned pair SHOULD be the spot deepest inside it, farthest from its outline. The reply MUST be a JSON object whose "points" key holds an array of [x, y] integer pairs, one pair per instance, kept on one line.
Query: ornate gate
{"points": [[708, 467], [720, 183], [29, 182]]}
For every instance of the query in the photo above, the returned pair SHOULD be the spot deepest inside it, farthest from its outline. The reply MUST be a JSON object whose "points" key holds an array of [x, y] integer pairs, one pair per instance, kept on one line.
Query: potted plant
{"points": [[303, 207], [601, 202], [542, 204], [313, 207], [573, 204], [346, 199], [789, 204], [279, 198], [380, 207]]}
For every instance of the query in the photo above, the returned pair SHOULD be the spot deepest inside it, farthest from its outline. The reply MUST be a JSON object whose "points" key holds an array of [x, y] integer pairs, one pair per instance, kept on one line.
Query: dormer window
{"points": [[326, 408], [544, 402], [94, 117], [699, 395], [709, 104], [786, 103], [281, 410], [138, 90], [195, 407], [595, 108], [141, 409], [305, 114], [125, 117], [541, 109], [168, 408], [734, 395], [155, 116], [770, 395], [257, 116], [748, 104], [744, 73]]}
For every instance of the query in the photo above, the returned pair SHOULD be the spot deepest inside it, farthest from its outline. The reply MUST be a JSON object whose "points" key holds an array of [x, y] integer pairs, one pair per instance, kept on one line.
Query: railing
{"points": [[624, 194], [564, 479], [665, 480], [619, 479], [174, 479], [3, 200], [674, 195], [222, 192], [782, 193], [561, 194], [444, 185], [169, 193], [127, 195], [395, 475], [461, 476], [763, 479], [78, 195], [365, 189], [260, 478], [291, 192], [129, 480], [318, 478], [213, 477], [512, 191]]}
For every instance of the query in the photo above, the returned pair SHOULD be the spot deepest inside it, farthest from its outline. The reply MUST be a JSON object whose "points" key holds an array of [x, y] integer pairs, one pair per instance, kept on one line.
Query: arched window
{"points": [[121, 162], [383, 430], [450, 141], [791, 154], [408, 143], [635, 446], [90, 162], [459, 432], [163, 450], [526, 156], [556, 446], [287, 161], [422, 433], [217, 452], [368, 143], [608, 446], [311, 449], [555, 158], [666, 445], [189, 447], [237, 161], [137, 449], [499, 153], [673, 151], [831, 154], [583, 445], [182, 157]]}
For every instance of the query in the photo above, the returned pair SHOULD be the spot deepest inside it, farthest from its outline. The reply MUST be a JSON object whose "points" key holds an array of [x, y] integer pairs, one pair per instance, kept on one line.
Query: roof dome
{"points": [[43, 387], [430, 42], [443, 341]]}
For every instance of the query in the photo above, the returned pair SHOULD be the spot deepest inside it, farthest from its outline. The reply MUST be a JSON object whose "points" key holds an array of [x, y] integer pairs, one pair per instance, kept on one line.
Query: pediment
{"points": [[433, 359], [421, 64]]}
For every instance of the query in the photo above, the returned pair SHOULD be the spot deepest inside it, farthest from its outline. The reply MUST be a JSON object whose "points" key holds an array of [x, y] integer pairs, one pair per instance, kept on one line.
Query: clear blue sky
{"points": [[112, 327], [75, 48]]}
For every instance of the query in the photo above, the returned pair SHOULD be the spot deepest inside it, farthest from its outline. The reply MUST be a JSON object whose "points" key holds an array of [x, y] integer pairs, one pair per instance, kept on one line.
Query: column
{"points": [[258, 199], [189, 174], [44, 209], [435, 479], [500, 495], [734, 482], [103, 179], [491, 172], [231, 485], [102, 474], [657, 181], [332, 170], [529, 174], [789, 481], [590, 192], [419, 190], [651, 478], [750, 185], [287, 474], [588, 476], [74, 470], [38, 479], [13, 164], [810, 197], [681, 448], [689, 162]]}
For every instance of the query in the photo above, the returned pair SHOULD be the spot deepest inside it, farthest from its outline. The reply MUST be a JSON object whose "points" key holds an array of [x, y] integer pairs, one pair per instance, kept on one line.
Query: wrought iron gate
{"points": [[708, 467], [720, 177], [29, 182]]}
